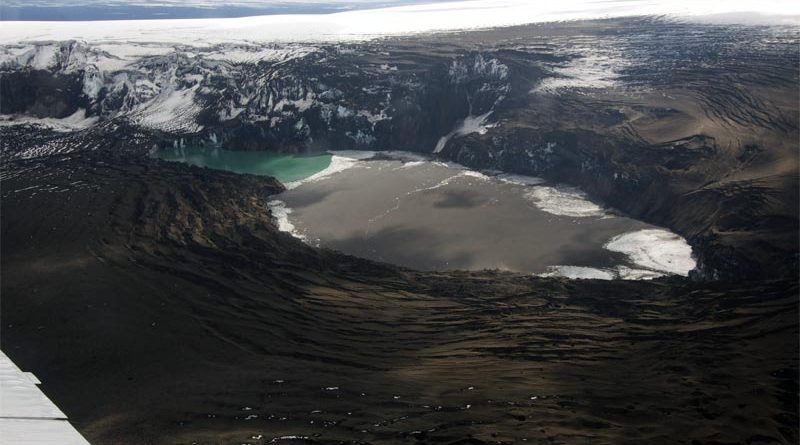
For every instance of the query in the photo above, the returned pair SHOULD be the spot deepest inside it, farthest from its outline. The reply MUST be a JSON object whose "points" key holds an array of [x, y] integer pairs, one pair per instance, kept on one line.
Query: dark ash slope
{"points": [[158, 305]]}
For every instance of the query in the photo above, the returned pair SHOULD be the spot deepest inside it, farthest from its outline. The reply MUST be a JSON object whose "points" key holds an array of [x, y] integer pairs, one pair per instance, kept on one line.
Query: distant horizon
{"points": [[400, 19], [103, 10]]}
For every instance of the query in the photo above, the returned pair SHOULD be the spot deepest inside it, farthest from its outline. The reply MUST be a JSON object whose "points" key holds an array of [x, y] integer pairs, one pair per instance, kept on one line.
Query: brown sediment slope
{"points": [[158, 304]]}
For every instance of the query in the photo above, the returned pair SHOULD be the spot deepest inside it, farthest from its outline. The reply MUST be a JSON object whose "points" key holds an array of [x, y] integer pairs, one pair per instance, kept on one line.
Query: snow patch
{"points": [[280, 213], [564, 201], [511, 178], [594, 273], [474, 174], [578, 272], [301, 104], [43, 57], [172, 110], [655, 249], [470, 124], [255, 54]]}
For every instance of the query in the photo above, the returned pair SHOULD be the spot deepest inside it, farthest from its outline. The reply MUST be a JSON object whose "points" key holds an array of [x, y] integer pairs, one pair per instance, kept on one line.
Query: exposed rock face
{"points": [[670, 129], [289, 100], [40, 94]]}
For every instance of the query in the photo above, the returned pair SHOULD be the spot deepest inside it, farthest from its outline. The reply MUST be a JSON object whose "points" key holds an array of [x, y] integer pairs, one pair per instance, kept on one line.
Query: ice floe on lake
{"points": [[280, 213], [511, 178], [654, 252], [564, 201], [340, 161], [656, 249]]}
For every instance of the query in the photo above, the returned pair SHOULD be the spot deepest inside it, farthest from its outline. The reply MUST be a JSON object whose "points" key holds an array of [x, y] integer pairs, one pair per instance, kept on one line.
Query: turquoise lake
{"points": [[284, 167]]}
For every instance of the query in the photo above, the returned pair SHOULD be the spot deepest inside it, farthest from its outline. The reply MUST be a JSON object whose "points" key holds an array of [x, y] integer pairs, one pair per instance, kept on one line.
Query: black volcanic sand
{"points": [[432, 217], [158, 305]]}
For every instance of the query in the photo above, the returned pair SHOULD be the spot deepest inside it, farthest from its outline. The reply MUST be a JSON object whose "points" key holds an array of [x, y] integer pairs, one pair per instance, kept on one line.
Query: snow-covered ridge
{"points": [[365, 24], [72, 55]]}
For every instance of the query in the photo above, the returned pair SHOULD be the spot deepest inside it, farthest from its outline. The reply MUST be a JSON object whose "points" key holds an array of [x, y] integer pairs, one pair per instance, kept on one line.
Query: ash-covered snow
{"points": [[595, 66], [171, 111]]}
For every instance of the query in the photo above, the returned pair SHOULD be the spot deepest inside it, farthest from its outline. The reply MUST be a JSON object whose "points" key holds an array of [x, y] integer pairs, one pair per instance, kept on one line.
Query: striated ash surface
{"points": [[158, 304]]}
